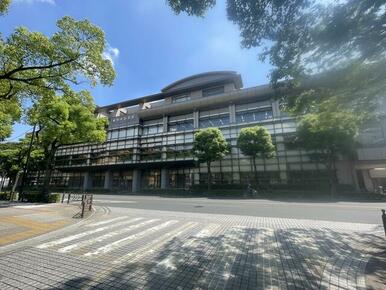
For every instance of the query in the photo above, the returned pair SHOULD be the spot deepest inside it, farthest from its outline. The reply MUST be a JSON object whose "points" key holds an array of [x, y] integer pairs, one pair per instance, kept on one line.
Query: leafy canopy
{"points": [[34, 66], [4, 5], [329, 133], [13, 157], [210, 145], [196, 7], [256, 142], [341, 44], [67, 119]]}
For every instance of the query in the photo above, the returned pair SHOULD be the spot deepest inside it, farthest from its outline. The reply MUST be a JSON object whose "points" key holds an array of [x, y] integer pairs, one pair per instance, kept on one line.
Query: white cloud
{"points": [[111, 53], [51, 2]]}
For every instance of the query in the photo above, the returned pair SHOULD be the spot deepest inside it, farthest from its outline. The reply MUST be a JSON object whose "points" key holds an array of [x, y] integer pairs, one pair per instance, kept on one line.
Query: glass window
{"points": [[114, 134], [180, 99], [217, 121], [213, 91], [253, 116], [181, 126], [152, 129]]}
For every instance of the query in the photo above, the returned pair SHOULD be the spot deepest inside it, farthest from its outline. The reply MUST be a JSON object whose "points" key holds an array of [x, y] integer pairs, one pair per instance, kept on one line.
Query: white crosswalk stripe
{"points": [[106, 221], [116, 244], [98, 239], [84, 234], [156, 244]]}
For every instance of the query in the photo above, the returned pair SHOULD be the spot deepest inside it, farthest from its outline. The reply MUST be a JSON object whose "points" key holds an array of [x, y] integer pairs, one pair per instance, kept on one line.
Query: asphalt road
{"points": [[356, 212]]}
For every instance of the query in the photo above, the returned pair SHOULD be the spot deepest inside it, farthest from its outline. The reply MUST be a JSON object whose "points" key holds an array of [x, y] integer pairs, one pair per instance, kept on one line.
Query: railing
{"points": [[85, 199]]}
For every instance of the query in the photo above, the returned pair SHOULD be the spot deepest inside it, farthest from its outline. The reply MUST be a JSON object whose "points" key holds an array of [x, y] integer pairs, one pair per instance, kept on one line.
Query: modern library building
{"points": [[149, 142]]}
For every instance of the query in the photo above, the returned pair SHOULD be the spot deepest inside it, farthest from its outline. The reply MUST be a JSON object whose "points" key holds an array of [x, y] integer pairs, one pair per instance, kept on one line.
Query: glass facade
{"points": [[135, 154], [253, 116]]}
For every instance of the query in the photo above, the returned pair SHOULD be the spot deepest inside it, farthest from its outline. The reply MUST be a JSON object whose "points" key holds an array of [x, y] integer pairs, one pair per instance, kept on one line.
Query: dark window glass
{"points": [[181, 126], [180, 99], [213, 91], [216, 121], [253, 116]]}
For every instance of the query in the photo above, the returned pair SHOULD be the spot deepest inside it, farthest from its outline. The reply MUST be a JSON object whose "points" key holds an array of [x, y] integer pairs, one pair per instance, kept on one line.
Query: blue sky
{"points": [[150, 46]]}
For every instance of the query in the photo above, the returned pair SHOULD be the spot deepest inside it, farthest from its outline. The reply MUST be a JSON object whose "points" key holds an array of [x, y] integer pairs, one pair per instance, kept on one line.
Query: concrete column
{"points": [[163, 154], [108, 180], [232, 113], [165, 123], [196, 119], [283, 177], [275, 109], [164, 178], [136, 186], [136, 155], [367, 180], [87, 181]]}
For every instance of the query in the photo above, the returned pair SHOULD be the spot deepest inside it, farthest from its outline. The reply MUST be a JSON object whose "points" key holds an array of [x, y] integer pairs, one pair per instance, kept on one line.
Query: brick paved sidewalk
{"points": [[144, 249], [22, 221]]}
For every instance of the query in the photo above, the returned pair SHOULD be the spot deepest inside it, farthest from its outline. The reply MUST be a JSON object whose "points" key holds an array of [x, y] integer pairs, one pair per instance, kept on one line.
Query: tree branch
{"points": [[21, 68]]}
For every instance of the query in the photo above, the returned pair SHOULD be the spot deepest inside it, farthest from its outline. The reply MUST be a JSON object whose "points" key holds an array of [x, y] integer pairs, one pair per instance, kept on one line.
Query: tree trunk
{"points": [[48, 171], [332, 177], [209, 177], [2, 182], [255, 172]]}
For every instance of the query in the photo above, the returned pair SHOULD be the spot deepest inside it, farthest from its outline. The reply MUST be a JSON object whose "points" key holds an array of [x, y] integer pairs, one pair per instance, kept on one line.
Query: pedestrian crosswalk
{"points": [[152, 250], [123, 238]]}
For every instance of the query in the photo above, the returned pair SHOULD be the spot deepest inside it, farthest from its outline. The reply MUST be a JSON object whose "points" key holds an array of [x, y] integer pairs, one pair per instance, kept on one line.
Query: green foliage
{"points": [[34, 66], [328, 133], [67, 119], [4, 5], [54, 197], [210, 145], [326, 136], [10, 112], [13, 157], [256, 142], [195, 7], [336, 48]]}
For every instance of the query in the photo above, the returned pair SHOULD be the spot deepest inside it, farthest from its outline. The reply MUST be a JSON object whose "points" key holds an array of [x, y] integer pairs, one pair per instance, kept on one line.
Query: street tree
{"points": [[256, 142], [65, 120], [318, 49], [34, 66], [13, 157], [326, 136], [209, 145]]}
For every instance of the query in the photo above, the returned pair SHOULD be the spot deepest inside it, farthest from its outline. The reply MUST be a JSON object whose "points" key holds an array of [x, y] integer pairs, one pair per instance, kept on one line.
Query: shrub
{"points": [[54, 197]]}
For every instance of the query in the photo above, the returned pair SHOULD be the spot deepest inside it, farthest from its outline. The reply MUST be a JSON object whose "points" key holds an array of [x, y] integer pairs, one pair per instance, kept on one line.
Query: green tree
{"points": [[65, 120], [209, 145], [34, 66], [341, 44], [13, 157], [4, 5], [256, 142], [327, 136]]}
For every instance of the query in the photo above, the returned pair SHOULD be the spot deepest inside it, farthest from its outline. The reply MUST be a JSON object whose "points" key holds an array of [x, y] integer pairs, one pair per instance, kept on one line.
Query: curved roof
{"points": [[204, 79]]}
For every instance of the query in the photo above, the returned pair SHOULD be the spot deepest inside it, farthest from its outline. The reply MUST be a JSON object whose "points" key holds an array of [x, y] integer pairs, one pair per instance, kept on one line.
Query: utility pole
{"points": [[25, 169]]}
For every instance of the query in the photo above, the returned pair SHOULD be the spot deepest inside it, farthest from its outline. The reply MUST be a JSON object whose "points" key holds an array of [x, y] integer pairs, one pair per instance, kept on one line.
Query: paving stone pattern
{"points": [[143, 249]]}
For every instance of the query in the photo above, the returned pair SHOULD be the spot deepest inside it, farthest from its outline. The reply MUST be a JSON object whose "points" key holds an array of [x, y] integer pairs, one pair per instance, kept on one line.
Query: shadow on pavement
{"points": [[247, 258]]}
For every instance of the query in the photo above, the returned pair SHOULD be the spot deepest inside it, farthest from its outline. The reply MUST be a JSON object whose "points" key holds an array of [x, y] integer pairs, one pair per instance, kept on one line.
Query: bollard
{"points": [[68, 198], [90, 203], [384, 220], [83, 205], [63, 194]]}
